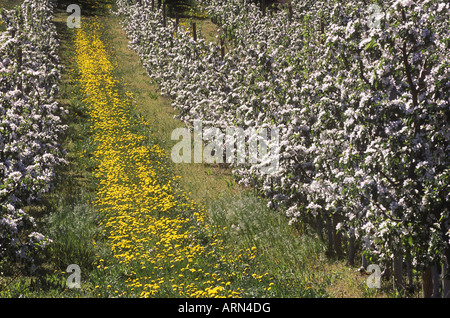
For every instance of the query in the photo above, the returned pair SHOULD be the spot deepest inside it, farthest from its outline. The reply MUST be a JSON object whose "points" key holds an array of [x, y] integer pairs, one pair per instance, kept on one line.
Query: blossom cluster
{"points": [[30, 123], [359, 94]]}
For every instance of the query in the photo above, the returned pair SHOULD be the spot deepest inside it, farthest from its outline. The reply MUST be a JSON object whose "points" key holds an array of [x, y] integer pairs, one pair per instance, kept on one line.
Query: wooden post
{"points": [[222, 49], [445, 279], [19, 57], [194, 31], [177, 21], [263, 7], [164, 14], [319, 227], [337, 242], [322, 31], [351, 248], [409, 271], [153, 5], [364, 261], [398, 270], [427, 283], [19, 65], [330, 235], [436, 281]]}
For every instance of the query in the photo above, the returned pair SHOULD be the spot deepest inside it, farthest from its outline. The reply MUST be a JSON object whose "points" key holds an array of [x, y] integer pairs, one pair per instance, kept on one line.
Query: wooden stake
{"points": [[19, 65], [222, 49], [398, 270], [427, 283], [194, 31], [337, 241], [164, 14]]}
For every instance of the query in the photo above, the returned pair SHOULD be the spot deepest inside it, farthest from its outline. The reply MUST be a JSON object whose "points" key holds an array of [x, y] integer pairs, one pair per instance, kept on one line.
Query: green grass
{"points": [[294, 259]]}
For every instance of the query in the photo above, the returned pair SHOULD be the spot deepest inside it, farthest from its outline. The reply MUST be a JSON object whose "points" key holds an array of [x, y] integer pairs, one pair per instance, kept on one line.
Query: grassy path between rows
{"points": [[139, 225], [159, 240]]}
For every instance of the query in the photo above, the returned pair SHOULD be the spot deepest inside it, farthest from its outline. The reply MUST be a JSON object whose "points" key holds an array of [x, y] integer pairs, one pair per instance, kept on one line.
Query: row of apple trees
{"points": [[30, 124], [359, 93]]}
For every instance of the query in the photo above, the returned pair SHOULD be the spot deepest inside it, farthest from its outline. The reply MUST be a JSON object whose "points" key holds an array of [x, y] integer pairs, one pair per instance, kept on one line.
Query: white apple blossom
{"points": [[30, 123], [361, 107]]}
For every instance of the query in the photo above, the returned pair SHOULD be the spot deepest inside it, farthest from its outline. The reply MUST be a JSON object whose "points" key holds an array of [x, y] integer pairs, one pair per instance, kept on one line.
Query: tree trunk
{"points": [[177, 21], [409, 270], [427, 283], [19, 67], [222, 49], [319, 227], [351, 248], [445, 279], [398, 270], [194, 31], [330, 235], [337, 236], [436, 282], [164, 15], [364, 261]]}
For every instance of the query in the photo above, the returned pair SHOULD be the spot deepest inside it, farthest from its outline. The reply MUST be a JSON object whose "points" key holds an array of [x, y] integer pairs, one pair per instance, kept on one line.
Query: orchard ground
{"points": [[286, 252]]}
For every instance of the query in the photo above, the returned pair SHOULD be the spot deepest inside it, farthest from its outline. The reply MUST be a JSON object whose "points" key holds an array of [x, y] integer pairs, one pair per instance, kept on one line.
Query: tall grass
{"points": [[72, 230], [292, 258]]}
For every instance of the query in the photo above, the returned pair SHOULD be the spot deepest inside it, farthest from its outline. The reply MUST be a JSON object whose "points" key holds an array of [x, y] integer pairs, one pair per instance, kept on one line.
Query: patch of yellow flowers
{"points": [[159, 239]]}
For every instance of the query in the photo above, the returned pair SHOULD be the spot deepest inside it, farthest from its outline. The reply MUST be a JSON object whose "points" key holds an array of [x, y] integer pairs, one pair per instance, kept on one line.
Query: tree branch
{"points": [[408, 72]]}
